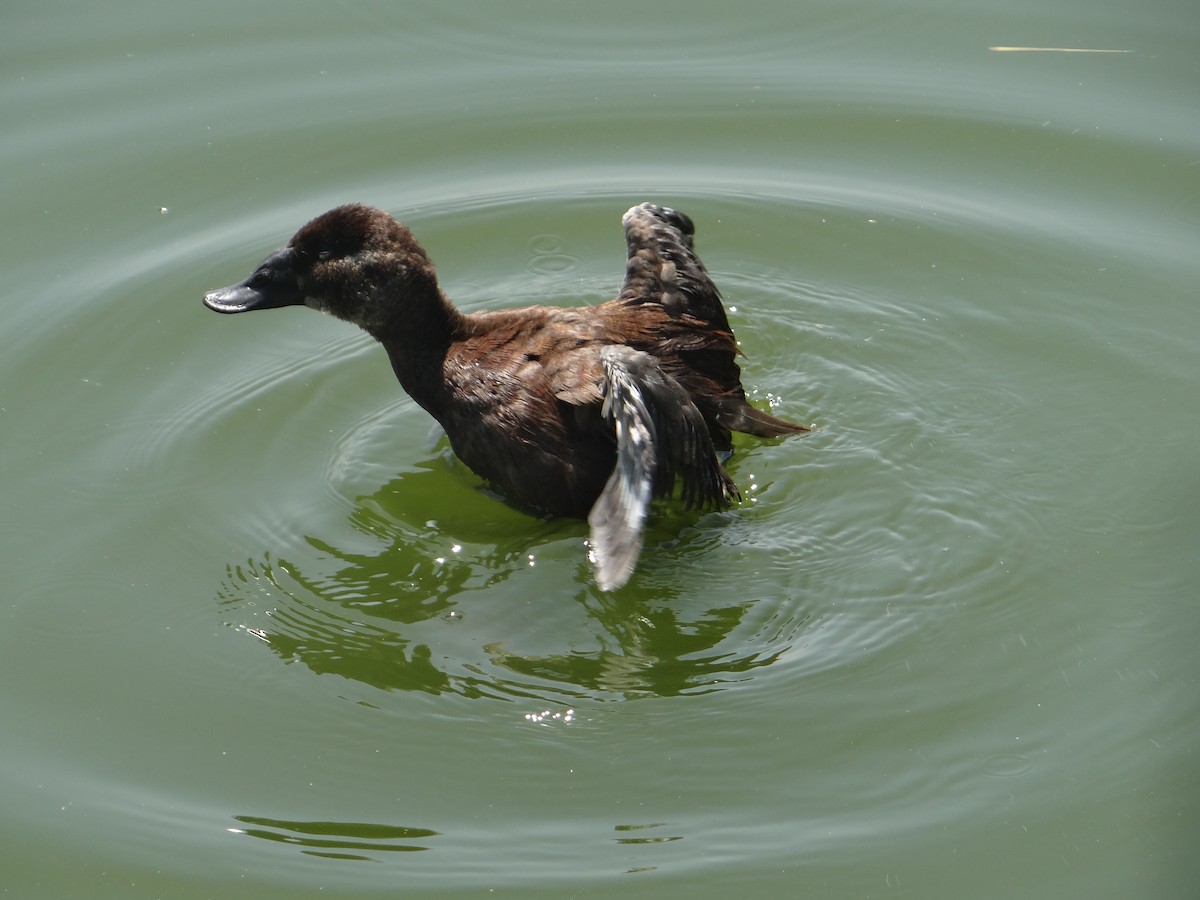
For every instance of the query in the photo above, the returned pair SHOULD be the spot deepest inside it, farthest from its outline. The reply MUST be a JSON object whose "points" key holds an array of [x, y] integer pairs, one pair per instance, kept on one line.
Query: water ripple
{"points": [[892, 532]]}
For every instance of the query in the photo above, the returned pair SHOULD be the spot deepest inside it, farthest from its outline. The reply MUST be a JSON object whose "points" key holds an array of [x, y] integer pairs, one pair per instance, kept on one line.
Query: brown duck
{"points": [[587, 411]]}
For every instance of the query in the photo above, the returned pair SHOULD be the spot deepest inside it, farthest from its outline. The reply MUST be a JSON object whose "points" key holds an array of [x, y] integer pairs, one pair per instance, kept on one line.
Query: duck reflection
{"points": [[374, 616]]}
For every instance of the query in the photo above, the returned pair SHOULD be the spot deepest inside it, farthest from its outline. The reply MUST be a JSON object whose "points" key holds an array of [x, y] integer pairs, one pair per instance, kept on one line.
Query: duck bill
{"points": [[270, 286], [235, 299]]}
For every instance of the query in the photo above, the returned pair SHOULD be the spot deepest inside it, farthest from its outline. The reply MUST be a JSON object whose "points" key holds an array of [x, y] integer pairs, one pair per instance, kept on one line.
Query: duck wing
{"points": [[661, 436], [662, 266]]}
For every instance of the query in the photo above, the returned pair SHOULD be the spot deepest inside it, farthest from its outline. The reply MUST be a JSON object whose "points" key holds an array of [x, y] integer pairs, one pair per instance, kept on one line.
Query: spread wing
{"points": [[662, 266], [661, 436]]}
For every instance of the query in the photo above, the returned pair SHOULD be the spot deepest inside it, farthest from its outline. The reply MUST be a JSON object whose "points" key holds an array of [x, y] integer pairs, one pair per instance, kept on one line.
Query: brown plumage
{"points": [[585, 412]]}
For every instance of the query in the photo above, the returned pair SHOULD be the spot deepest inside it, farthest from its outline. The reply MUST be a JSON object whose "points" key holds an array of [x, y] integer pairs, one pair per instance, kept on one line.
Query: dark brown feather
{"points": [[573, 411]]}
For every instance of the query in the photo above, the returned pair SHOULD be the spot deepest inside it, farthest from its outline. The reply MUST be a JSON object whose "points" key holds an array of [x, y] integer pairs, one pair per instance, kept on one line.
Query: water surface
{"points": [[263, 636]]}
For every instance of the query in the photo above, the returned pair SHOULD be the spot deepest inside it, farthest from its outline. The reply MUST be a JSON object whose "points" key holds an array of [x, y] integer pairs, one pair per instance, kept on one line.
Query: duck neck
{"points": [[417, 342]]}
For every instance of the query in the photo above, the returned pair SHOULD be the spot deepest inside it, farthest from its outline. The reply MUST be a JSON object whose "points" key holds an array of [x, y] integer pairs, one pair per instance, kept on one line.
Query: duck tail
{"points": [[741, 416]]}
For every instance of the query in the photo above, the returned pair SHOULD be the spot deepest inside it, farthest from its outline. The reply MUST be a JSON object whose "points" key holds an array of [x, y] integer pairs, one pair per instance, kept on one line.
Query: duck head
{"points": [[353, 262]]}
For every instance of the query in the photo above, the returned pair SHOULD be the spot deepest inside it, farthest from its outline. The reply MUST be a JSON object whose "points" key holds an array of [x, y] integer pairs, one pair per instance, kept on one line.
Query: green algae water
{"points": [[262, 636]]}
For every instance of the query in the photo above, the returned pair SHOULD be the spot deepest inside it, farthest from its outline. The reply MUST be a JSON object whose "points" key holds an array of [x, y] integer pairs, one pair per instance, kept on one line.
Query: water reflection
{"points": [[335, 840], [654, 653], [376, 616], [646, 839]]}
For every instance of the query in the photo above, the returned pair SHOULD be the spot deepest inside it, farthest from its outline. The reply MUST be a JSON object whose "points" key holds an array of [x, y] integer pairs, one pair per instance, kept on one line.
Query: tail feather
{"points": [[741, 416]]}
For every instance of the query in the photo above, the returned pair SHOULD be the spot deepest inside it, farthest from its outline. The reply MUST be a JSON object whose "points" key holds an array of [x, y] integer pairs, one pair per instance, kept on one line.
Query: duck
{"points": [[589, 412]]}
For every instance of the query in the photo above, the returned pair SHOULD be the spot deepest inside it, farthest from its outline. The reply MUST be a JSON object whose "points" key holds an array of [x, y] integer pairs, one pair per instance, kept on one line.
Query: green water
{"points": [[261, 636]]}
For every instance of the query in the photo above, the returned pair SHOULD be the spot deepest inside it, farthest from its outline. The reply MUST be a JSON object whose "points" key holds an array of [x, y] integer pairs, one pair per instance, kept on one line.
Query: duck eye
{"points": [[325, 254]]}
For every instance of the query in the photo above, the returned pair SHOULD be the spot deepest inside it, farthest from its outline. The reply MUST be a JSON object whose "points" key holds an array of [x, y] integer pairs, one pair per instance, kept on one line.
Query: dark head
{"points": [[354, 262]]}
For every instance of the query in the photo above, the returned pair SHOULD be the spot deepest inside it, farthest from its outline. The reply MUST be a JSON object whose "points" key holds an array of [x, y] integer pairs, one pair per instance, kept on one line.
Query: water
{"points": [[262, 636]]}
